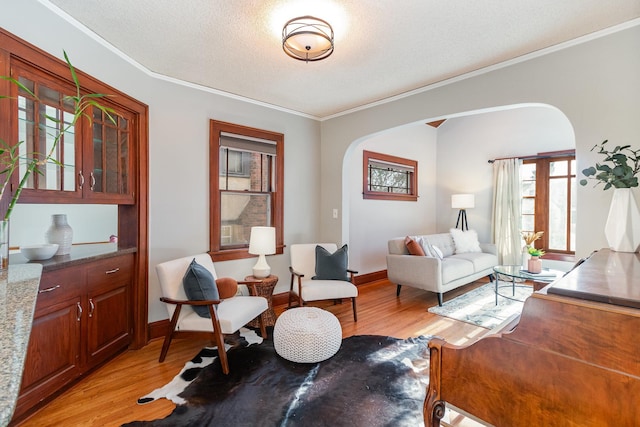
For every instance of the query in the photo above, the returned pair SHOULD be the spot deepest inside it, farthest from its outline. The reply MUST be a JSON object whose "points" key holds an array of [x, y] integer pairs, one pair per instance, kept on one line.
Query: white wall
{"points": [[373, 222], [179, 144], [595, 84], [90, 223], [465, 144]]}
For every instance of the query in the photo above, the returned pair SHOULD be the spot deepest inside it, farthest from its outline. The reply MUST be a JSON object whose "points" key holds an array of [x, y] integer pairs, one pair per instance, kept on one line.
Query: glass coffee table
{"points": [[516, 272]]}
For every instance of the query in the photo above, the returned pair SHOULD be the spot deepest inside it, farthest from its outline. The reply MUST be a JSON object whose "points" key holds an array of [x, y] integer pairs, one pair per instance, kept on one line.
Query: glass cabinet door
{"points": [[43, 115], [110, 175]]}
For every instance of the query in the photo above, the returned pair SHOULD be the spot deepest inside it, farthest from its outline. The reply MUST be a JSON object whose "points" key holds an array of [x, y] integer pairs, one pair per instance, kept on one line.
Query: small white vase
{"points": [[60, 232], [623, 223]]}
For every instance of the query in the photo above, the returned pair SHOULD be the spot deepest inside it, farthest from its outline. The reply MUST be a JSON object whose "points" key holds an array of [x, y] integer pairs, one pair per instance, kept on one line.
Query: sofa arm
{"points": [[489, 248], [417, 271]]}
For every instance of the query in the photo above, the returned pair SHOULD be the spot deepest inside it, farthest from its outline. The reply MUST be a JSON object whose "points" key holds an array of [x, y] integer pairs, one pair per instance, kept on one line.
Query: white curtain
{"points": [[506, 211]]}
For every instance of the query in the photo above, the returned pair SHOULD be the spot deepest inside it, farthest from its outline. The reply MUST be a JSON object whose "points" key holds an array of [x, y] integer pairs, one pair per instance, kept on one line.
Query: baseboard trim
{"points": [[160, 328]]}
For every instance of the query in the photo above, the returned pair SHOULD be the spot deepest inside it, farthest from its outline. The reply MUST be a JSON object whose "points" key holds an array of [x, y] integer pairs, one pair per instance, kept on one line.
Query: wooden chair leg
{"points": [[355, 314], [263, 330], [219, 341], [398, 290], [169, 336]]}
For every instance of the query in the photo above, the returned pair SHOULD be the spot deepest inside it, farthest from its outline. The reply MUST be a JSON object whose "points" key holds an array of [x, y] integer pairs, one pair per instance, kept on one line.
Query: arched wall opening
{"points": [[452, 158]]}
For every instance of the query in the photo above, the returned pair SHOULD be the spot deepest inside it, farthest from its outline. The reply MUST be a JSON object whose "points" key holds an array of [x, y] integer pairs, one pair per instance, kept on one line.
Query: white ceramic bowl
{"points": [[39, 252]]}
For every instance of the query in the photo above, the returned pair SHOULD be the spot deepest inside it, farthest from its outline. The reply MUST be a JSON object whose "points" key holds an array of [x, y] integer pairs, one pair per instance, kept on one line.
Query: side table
{"points": [[263, 288]]}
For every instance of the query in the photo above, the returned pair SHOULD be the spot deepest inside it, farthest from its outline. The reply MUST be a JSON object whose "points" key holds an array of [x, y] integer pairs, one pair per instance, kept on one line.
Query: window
{"points": [[548, 201], [388, 177], [246, 187]]}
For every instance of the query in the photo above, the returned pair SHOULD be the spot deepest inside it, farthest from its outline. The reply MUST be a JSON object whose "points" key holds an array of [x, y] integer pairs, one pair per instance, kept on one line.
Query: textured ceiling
{"points": [[383, 48]]}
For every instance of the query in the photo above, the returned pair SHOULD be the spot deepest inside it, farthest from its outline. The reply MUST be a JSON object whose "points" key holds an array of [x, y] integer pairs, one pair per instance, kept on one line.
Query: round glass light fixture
{"points": [[307, 38]]}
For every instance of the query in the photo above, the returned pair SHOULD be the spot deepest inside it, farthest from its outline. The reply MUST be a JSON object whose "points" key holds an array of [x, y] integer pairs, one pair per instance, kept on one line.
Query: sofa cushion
{"points": [[443, 241], [480, 260], [454, 268], [437, 253], [413, 247], [465, 241]]}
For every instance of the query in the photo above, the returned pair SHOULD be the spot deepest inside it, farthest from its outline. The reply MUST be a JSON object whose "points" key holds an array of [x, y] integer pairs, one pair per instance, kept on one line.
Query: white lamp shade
{"points": [[262, 241], [463, 201]]}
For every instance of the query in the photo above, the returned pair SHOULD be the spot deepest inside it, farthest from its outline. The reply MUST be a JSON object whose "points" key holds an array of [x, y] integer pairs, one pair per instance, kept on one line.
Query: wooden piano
{"points": [[572, 358]]}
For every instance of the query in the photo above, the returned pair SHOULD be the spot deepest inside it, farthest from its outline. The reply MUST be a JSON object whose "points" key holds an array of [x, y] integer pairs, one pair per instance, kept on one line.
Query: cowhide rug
{"points": [[371, 381]]}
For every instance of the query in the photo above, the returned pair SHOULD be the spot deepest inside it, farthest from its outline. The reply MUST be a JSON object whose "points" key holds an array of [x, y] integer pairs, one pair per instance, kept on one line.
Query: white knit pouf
{"points": [[307, 335]]}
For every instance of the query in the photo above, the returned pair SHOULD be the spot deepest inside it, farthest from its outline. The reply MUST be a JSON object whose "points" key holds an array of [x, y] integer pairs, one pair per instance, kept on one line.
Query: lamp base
{"points": [[261, 269]]}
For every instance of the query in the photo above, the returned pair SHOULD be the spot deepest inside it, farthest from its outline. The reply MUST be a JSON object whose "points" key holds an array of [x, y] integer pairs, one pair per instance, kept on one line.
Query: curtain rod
{"points": [[547, 155]]}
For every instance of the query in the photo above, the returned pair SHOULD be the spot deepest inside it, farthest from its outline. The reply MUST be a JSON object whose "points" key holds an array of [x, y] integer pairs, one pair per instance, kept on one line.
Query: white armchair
{"points": [[305, 289], [231, 313]]}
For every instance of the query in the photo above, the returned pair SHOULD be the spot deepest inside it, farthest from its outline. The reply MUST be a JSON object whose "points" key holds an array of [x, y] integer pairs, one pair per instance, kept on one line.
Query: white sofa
{"points": [[433, 274]]}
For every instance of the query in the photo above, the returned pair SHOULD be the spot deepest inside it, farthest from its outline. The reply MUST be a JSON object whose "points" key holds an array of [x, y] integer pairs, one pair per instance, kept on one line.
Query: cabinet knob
{"points": [[81, 177], [79, 307], [115, 270], [93, 181], [91, 307]]}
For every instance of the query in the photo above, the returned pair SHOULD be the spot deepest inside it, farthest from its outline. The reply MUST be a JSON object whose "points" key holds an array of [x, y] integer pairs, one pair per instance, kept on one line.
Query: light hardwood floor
{"points": [[107, 397]]}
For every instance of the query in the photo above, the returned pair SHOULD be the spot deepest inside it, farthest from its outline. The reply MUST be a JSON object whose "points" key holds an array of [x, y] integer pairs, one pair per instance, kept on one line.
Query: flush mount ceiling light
{"points": [[307, 38]]}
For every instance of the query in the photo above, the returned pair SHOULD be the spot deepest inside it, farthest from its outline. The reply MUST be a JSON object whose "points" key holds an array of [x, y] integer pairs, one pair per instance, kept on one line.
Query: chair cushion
{"points": [[331, 266], [233, 313], [199, 285], [317, 290], [413, 247], [227, 287]]}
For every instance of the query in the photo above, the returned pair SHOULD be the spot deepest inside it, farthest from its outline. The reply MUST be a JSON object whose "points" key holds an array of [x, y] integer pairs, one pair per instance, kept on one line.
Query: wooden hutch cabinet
{"points": [[91, 307]]}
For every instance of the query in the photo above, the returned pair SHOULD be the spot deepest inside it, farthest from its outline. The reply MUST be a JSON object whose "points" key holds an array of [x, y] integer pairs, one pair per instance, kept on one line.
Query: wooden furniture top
{"points": [[609, 276], [567, 361]]}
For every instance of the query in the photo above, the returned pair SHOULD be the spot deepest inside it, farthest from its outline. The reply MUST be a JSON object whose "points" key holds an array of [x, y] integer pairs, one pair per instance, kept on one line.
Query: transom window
{"points": [[389, 177], [549, 202], [246, 174]]}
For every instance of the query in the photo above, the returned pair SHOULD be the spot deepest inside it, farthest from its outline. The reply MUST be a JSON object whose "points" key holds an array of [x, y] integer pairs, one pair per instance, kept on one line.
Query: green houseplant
{"points": [[12, 158], [619, 171]]}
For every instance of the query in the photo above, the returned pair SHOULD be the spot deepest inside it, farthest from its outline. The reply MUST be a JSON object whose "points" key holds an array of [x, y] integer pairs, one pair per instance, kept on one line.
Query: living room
{"points": [[587, 90]]}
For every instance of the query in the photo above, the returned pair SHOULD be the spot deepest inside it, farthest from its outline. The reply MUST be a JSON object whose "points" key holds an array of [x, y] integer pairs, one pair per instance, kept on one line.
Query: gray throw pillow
{"points": [[331, 266], [199, 285]]}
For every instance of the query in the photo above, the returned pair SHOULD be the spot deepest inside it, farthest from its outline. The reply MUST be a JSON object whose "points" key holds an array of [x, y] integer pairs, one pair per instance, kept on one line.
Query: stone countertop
{"points": [[18, 293], [79, 255]]}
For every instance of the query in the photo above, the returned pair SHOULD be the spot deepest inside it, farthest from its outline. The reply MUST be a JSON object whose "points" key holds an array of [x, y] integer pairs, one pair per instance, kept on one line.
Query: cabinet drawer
{"points": [[58, 286], [111, 270]]}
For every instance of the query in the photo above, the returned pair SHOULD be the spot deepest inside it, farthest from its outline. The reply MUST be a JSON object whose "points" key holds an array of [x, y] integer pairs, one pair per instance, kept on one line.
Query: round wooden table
{"points": [[264, 288]]}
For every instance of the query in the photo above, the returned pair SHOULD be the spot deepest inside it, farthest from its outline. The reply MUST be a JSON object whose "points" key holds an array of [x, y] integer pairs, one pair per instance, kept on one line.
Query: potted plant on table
{"points": [[529, 237], [13, 156], [619, 171], [535, 264]]}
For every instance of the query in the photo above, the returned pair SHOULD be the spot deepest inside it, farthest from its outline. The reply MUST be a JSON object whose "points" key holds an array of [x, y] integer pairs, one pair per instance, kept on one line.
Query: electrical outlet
{"points": [[335, 214]]}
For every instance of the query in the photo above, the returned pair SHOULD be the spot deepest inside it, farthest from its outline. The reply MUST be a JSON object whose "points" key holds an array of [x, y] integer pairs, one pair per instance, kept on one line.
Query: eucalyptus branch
{"points": [[618, 173]]}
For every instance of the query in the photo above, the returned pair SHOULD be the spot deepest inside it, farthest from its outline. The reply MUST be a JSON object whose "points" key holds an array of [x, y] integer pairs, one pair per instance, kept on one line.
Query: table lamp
{"points": [[463, 202], [261, 243]]}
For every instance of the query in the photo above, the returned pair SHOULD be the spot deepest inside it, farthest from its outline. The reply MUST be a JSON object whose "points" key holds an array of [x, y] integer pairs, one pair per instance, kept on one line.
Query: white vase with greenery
{"points": [[619, 171]]}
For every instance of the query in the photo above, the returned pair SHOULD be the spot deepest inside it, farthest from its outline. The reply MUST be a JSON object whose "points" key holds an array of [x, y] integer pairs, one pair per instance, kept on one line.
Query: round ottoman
{"points": [[307, 335]]}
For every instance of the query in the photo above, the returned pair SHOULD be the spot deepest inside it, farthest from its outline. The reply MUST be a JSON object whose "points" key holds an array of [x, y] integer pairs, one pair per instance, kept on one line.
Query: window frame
{"points": [[277, 207], [367, 193], [541, 205]]}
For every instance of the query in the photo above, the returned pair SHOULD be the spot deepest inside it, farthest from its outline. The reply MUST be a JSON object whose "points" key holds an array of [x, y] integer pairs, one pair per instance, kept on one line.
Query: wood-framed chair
{"points": [[227, 315], [304, 289]]}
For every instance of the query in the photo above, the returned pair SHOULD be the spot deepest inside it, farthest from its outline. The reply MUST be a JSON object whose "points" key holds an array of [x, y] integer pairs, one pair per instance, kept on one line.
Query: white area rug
{"points": [[479, 305]]}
